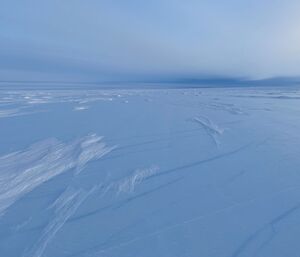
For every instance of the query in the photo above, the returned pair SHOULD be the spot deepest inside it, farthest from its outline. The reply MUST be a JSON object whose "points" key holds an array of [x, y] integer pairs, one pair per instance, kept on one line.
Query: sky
{"points": [[103, 40]]}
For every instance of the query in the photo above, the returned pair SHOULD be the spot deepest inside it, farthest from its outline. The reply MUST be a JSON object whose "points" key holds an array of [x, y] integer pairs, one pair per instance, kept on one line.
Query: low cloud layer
{"points": [[119, 40]]}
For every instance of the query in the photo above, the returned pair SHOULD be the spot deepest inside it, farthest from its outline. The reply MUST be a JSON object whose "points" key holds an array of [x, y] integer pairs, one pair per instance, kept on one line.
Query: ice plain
{"points": [[210, 172]]}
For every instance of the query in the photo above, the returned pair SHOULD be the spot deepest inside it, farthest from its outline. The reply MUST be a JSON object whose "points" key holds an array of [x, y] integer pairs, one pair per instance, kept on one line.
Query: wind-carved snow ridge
{"points": [[23, 171], [128, 184], [71, 199], [81, 108], [81, 97], [9, 113], [5, 113], [228, 107], [25, 102], [64, 207], [211, 128]]}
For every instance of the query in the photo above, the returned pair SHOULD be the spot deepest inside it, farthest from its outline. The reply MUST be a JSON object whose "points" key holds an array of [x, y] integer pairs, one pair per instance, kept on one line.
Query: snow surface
{"points": [[164, 173]]}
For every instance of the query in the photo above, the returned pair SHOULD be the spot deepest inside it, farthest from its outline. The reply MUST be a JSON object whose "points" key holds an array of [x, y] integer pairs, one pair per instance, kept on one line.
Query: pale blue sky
{"points": [[106, 40]]}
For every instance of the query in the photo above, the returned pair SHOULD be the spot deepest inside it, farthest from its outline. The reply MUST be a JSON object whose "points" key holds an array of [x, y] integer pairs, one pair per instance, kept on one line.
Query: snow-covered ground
{"points": [[150, 173]]}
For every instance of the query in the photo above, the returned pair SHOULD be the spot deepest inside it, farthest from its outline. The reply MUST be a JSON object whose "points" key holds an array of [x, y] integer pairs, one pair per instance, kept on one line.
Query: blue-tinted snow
{"points": [[170, 172]]}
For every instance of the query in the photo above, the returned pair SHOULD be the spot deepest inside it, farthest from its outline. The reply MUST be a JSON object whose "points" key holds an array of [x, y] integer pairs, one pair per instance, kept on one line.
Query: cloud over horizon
{"points": [[109, 40]]}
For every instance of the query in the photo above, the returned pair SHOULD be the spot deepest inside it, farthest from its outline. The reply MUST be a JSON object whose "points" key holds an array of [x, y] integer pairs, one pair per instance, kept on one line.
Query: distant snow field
{"points": [[211, 172]]}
